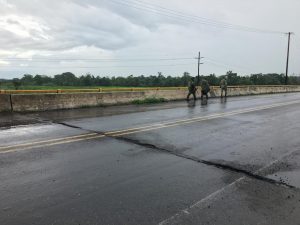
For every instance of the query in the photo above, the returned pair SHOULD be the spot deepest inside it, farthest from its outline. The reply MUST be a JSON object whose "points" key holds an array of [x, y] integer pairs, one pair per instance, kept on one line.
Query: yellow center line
{"points": [[46, 141], [51, 144], [90, 136]]}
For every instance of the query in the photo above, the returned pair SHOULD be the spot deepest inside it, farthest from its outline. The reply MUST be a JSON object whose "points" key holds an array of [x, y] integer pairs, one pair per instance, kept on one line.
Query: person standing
{"points": [[204, 88], [223, 86], [192, 89]]}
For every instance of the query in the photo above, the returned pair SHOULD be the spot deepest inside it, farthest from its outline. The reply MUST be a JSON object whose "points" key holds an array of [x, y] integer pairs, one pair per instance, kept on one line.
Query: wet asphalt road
{"points": [[227, 162]]}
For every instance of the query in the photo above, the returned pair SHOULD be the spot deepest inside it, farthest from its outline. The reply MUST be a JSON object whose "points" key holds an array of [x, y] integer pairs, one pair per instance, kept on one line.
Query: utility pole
{"points": [[199, 59], [287, 58]]}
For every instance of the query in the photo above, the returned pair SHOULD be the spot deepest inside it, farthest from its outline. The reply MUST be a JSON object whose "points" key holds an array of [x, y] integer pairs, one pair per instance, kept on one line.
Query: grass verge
{"points": [[148, 101]]}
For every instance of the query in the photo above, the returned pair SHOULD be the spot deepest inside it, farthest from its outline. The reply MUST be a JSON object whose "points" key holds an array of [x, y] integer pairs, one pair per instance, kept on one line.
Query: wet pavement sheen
{"points": [[238, 169]]}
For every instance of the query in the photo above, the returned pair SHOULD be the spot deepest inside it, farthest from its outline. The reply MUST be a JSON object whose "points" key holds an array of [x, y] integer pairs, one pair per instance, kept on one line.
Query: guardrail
{"points": [[122, 89]]}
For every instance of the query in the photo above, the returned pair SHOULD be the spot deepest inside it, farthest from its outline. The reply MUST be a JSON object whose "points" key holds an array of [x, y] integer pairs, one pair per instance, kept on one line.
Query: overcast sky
{"points": [[123, 37]]}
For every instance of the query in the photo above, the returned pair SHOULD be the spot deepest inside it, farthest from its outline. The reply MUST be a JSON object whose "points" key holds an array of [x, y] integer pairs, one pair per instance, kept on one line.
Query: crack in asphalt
{"points": [[189, 157], [73, 126], [210, 163]]}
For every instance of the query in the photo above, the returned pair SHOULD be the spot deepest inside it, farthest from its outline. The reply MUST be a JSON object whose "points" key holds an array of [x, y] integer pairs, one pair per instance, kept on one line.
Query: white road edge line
{"points": [[221, 190], [239, 111]]}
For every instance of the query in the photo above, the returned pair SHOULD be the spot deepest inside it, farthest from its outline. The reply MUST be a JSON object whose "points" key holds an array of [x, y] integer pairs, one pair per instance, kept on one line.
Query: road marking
{"points": [[186, 211], [57, 141], [51, 144], [209, 198], [192, 120], [46, 141]]}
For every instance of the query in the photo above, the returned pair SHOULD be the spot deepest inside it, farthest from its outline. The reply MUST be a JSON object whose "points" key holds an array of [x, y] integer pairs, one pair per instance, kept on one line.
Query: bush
{"points": [[148, 101]]}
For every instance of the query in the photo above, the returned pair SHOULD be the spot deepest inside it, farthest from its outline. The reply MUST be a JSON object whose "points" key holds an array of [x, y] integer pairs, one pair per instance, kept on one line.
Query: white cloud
{"points": [[24, 27], [2, 62]]}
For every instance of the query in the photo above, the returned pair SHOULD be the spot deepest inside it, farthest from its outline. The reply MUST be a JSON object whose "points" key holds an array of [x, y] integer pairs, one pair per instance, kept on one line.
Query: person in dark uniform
{"points": [[192, 89], [204, 89]]}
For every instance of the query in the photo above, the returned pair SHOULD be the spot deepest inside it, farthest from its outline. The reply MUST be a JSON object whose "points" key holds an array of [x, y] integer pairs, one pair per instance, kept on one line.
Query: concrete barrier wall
{"points": [[255, 90], [43, 102], [5, 103], [167, 94]]}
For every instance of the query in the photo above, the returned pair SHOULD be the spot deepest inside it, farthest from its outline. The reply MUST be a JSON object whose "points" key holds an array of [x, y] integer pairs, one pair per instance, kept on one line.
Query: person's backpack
{"points": [[192, 87]]}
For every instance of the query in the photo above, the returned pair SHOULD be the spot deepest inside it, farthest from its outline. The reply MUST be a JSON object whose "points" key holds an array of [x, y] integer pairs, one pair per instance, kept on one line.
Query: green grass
{"points": [[148, 101], [11, 87]]}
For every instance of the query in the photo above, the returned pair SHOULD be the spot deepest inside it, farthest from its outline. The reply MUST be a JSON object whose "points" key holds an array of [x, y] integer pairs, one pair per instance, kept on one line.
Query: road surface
{"points": [[228, 162]]}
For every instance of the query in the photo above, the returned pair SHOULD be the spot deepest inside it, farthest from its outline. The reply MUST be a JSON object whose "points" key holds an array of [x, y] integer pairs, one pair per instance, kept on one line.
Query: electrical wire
{"points": [[225, 65], [91, 60], [188, 18], [168, 65]]}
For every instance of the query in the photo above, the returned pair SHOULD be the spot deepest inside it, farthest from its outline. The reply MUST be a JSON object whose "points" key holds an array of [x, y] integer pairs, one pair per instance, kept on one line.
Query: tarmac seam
{"points": [[210, 197], [157, 126], [192, 158], [119, 136], [69, 125], [210, 163]]}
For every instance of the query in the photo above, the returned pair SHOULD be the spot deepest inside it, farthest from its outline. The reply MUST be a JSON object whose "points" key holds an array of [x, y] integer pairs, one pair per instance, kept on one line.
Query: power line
{"points": [[215, 22], [225, 65], [188, 18], [91, 59], [87, 67]]}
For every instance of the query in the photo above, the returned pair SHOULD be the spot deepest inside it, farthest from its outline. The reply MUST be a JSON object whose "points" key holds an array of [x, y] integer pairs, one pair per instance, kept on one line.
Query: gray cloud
{"points": [[78, 25], [97, 29]]}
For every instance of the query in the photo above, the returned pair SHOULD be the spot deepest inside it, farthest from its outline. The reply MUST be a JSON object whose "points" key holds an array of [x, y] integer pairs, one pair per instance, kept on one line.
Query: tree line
{"points": [[159, 80]]}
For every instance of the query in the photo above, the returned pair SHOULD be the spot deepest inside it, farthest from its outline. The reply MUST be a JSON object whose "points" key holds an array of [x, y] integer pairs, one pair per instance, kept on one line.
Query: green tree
{"points": [[27, 79], [17, 83], [41, 79], [232, 78], [66, 79]]}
